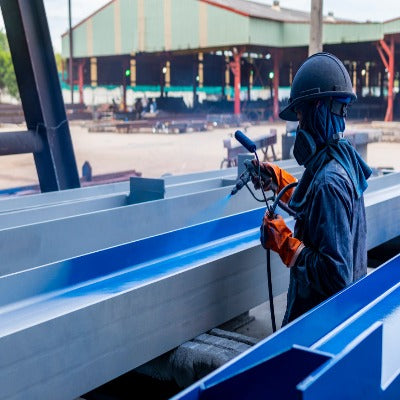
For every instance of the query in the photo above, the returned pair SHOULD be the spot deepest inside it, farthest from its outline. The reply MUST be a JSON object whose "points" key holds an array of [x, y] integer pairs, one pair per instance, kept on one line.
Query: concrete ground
{"points": [[157, 154]]}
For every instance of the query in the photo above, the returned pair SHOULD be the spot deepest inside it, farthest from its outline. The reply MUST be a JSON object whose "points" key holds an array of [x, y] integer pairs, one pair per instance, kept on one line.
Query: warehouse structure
{"points": [[227, 50]]}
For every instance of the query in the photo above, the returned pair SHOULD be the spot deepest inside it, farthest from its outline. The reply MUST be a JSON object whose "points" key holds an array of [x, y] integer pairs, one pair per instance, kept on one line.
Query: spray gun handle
{"points": [[264, 175]]}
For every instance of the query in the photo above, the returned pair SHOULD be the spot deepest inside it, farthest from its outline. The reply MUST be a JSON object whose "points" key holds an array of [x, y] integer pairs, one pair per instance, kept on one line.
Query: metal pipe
{"points": [[21, 142], [71, 49], [315, 27]]}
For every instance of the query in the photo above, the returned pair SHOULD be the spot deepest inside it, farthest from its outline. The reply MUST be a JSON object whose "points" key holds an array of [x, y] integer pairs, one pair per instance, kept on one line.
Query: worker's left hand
{"points": [[275, 235]]}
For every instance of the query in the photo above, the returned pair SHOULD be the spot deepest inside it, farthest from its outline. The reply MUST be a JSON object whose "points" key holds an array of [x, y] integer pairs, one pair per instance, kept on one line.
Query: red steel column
{"points": [[80, 81], [277, 57], [235, 67], [382, 47]]}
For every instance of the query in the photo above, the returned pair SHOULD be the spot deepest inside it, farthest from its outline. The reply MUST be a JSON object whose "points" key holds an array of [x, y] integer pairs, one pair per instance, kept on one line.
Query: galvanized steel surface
{"points": [[189, 263]]}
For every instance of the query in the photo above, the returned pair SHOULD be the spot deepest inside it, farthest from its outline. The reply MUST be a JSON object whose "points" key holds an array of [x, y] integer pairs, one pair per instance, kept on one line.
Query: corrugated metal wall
{"points": [[131, 26]]}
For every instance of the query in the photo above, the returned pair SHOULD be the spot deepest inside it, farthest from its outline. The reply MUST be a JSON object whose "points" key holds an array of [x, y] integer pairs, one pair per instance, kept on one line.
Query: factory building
{"points": [[193, 53]]}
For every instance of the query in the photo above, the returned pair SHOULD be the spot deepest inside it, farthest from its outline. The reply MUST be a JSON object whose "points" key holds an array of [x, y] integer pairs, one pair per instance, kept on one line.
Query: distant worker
{"points": [[328, 249], [152, 106], [138, 108]]}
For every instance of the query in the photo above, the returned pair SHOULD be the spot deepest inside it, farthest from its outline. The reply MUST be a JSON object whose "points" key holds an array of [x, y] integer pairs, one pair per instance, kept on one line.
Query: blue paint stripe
{"points": [[63, 298]]}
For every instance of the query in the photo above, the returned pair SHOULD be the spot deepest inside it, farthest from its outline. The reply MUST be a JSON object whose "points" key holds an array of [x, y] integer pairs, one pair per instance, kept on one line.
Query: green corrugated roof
{"points": [[131, 26]]}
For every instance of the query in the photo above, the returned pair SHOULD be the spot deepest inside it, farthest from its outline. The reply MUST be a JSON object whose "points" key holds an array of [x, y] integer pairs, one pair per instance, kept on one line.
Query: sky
{"points": [[358, 10]]}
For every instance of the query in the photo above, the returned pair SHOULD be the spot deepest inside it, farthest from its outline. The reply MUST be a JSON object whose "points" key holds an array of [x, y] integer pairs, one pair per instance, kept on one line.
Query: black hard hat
{"points": [[321, 75]]}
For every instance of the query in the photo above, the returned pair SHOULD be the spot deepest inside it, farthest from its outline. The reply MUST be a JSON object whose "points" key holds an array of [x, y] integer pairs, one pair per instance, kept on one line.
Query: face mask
{"points": [[304, 147]]}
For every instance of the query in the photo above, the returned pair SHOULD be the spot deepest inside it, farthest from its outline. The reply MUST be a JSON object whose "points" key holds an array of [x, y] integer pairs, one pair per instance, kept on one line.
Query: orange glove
{"points": [[279, 177], [275, 235]]}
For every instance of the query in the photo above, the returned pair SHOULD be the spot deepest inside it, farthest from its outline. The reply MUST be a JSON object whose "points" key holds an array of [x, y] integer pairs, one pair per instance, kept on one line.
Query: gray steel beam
{"points": [[15, 203], [83, 205], [46, 199], [39, 87], [173, 184], [113, 310], [92, 204], [28, 246], [62, 210]]}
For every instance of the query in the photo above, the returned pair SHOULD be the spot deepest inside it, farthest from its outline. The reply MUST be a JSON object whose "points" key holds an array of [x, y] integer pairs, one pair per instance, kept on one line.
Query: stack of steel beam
{"points": [[87, 297]]}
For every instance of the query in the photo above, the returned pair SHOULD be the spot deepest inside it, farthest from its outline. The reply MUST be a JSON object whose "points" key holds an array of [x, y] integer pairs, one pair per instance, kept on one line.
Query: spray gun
{"points": [[254, 173], [250, 170], [251, 173]]}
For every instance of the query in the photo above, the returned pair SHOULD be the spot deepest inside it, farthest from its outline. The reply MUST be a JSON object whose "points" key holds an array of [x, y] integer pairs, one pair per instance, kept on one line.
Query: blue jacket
{"points": [[332, 226]]}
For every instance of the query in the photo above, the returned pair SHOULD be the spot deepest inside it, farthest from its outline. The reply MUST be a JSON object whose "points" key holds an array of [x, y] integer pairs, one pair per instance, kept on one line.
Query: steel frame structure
{"points": [[47, 135]]}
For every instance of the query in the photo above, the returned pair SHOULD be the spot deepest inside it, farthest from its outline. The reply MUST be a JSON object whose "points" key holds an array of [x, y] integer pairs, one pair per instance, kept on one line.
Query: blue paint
{"points": [[80, 281], [212, 211], [357, 330]]}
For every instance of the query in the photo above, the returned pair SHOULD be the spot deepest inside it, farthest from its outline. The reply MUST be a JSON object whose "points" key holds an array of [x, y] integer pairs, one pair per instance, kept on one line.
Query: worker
{"points": [[327, 250]]}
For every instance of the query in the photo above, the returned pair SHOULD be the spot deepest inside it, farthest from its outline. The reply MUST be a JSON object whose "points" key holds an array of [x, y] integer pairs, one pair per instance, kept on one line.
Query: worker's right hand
{"points": [[278, 179]]}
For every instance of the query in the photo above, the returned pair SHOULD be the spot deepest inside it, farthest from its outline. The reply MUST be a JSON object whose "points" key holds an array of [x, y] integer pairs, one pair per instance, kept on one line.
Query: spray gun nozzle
{"points": [[243, 179]]}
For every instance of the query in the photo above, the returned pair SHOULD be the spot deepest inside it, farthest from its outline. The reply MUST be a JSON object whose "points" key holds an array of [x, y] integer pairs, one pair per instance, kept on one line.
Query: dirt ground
{"points": [[154, 155]]}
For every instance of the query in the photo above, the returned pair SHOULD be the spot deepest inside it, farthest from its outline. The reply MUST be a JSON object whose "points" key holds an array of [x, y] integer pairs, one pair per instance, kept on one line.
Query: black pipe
{"points": [[20, 142]]}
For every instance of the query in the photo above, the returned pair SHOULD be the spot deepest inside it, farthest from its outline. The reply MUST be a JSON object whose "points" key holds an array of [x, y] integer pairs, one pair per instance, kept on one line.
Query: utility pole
{"points": [[70, 69], [316, 23]]}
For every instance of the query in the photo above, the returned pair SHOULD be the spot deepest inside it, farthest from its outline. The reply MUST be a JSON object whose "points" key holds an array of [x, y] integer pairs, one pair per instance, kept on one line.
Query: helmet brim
{"points": [[288, 113]]}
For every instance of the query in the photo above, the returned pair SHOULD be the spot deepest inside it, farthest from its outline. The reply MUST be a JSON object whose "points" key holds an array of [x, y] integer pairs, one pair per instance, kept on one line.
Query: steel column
{"points": [[40, 91], [316, 22], [386, 53], [235, 68], [276, 58], [81, 65], [71, 51]]}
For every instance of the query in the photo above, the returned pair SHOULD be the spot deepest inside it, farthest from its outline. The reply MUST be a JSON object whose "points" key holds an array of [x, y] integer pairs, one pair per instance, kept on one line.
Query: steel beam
{"points": [[329, 346], [175, 185], [85, 205], [47, 199], [111, 311], [44, 207], [48, 241], [39, 87]]}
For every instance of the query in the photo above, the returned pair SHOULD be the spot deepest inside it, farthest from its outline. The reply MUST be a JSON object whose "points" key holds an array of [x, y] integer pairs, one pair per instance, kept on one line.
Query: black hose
{"points": [[272, 212], [278, 199], [245, 141], [270, 294]]}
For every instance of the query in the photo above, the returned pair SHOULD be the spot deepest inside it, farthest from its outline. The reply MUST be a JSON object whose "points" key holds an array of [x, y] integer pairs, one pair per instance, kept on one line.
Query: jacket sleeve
{"points": [[325, 265]]}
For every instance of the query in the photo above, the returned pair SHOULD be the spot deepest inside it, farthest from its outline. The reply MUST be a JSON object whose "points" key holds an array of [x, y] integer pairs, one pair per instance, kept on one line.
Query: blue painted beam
{"points": [[357, 333], [71, 326]]}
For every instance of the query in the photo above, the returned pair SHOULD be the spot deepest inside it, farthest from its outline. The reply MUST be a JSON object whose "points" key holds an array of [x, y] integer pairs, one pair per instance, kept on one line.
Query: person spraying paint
{"points": [[327, 250]]}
